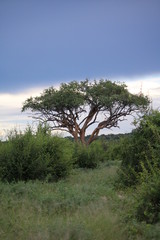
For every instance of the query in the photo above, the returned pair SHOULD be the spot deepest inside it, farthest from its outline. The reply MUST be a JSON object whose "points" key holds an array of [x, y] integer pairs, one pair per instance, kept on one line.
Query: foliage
{"points": [[75, 106], [89, 157], [140, 150], [77, 208], [83, 206], [140, 168], [31, 156], [147, 204], [114, 149]]}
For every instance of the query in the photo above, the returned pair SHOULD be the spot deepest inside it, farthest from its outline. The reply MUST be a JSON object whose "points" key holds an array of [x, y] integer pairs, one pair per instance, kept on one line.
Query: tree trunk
{"points": [[93, 136], [82, 137]]}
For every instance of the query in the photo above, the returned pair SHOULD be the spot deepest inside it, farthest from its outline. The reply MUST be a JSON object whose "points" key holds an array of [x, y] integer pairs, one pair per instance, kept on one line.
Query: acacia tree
{"points": [[76, 106]]}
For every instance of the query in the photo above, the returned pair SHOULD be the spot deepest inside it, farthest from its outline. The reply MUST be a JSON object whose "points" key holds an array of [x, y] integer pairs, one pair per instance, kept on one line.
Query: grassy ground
{"points": [[84, 206]]}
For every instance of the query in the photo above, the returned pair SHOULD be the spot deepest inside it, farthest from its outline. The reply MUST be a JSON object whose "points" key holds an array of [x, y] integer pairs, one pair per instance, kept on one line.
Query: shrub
{"points": [[147, 204], [141, 168], [89, 157], [114, 149], [140, 149], [31, 156]]}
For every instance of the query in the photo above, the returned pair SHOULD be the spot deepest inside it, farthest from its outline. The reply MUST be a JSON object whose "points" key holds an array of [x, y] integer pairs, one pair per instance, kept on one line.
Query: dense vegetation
{"points": [[140, 167], [41, 156], [32, 156], [53, 188], [141, 151]]}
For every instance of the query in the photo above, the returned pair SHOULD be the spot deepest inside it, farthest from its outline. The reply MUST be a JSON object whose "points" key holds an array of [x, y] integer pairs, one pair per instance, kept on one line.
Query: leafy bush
{"points": [[114, 149], [89, 157], [31, 156], [147, 205], [147, 195], [141, 167], [140, 150]]}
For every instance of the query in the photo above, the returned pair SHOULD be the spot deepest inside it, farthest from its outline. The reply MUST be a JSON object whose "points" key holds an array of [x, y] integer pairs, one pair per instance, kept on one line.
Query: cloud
{"points": [[148, 85], [10, 110]]}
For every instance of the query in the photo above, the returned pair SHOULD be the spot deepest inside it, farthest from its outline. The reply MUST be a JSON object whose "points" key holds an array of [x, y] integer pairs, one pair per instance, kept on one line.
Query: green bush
{"points": [[31, 156], [147, 194], [147, 204], [89, 156], [140, 154], [141, 148], [114, 149]]}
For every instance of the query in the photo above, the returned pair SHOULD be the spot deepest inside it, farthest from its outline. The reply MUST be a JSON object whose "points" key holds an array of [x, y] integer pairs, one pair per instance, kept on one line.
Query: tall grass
{"points": [[83, 206], [77, 208]]}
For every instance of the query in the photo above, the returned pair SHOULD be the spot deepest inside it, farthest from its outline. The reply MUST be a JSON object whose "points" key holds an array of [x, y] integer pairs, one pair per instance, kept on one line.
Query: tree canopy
{"points": [[76, 106]]}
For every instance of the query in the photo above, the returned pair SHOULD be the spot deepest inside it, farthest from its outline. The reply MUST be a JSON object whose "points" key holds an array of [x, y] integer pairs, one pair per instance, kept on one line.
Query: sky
{"points": [[45, 43]]}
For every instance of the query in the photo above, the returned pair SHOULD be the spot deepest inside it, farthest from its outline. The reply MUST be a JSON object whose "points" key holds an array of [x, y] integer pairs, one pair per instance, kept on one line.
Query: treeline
{"points": [[108, 137]]}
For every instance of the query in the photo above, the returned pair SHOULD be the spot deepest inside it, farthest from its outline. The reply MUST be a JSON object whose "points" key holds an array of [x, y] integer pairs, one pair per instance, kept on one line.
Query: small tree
{"points": [[76, 106]]}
